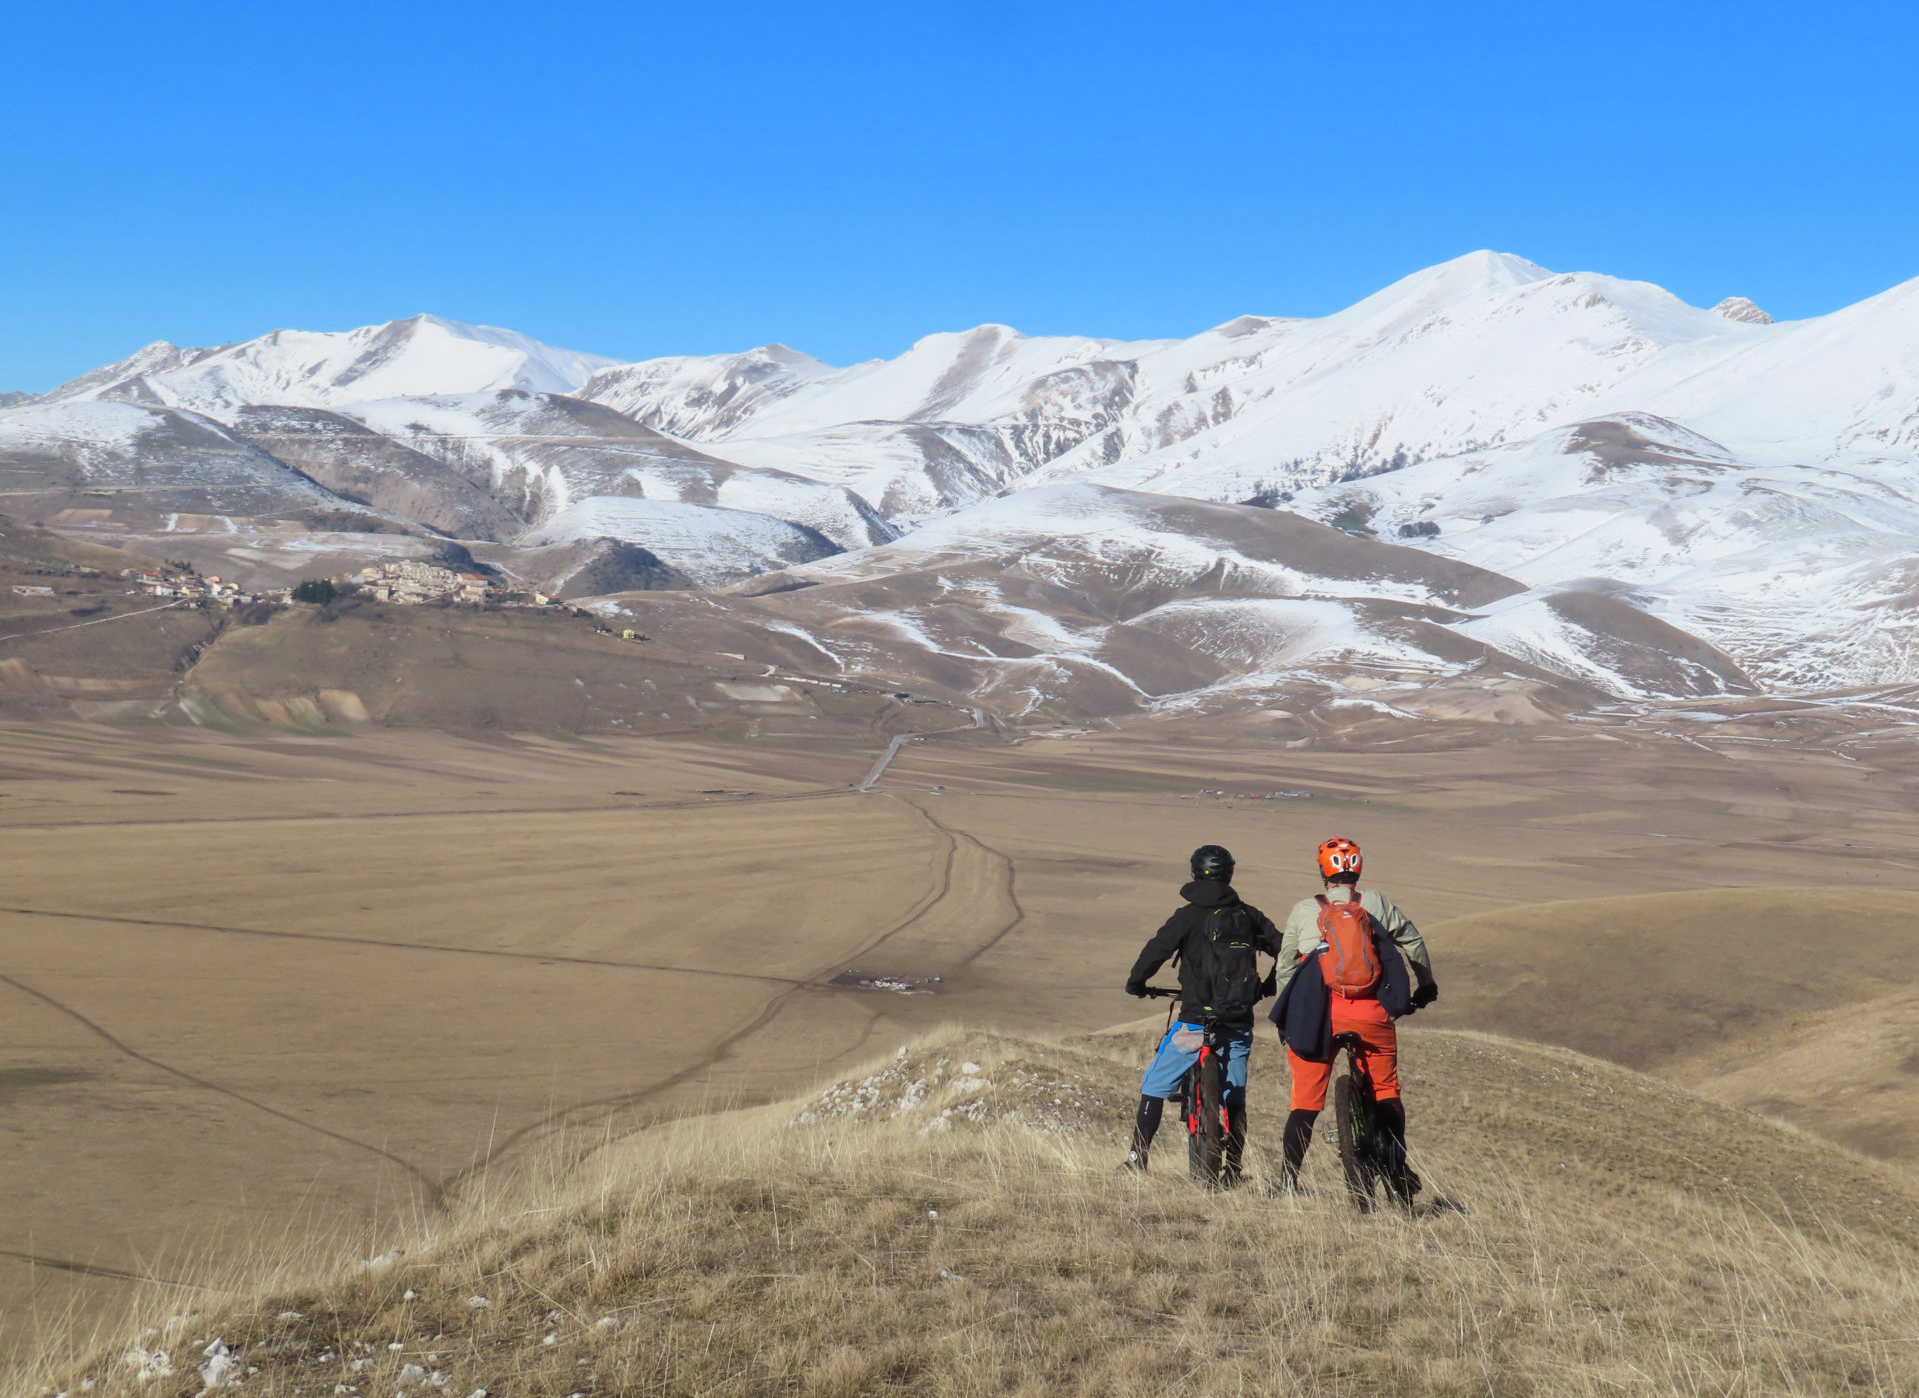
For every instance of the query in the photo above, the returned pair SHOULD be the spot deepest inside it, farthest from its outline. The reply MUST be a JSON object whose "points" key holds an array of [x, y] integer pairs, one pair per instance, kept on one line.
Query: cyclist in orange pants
{"points": [[1312, 1010]]}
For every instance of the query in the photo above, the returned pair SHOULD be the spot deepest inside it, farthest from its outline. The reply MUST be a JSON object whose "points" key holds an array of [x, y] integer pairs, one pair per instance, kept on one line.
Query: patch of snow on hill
{"points": [[712, 546]]}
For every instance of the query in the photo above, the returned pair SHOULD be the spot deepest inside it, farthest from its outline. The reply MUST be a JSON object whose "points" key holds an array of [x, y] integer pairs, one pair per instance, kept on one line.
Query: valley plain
{"points": [[264, 986]]}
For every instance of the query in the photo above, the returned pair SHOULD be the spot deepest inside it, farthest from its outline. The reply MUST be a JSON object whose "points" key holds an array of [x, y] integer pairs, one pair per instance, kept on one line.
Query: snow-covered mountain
{"points": [[1464, 355], [297, 368], [1676, 499], [1804, 572], [1083, 599]]}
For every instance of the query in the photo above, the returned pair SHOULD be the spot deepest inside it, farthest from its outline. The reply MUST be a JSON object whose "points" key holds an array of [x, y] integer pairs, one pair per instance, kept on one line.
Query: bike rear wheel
{"points": [[1212, 1126], [1353, 1113]]}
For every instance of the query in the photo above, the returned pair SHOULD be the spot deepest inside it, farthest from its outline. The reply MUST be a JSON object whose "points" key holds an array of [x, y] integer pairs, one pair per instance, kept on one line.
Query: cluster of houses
{"points": [[413, 584], [402, 581], [190, 585]]}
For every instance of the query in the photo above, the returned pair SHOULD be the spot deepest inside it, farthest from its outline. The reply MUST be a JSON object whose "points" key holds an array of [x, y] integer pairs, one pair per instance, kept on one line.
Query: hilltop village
{"points": [[402, 581]]}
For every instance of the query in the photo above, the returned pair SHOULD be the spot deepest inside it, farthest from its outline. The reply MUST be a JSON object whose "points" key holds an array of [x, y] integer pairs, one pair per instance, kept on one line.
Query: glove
{"points": [[1137, 989], [1270, 986], [1425, 995]]}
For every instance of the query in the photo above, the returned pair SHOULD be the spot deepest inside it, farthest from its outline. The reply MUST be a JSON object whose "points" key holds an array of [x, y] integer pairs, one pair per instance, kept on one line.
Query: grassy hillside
{"points": [[951, 1223], [1795, 1002]]}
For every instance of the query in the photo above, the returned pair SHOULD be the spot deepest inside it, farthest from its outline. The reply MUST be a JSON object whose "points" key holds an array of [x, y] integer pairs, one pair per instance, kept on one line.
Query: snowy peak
{"points": [[1470, 274], [419, 356], [124, 381], [704, 397]]}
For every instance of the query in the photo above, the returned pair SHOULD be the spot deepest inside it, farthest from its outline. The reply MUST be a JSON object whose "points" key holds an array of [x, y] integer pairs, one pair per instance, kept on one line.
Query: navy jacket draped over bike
{"points": [[1304, 1010]]}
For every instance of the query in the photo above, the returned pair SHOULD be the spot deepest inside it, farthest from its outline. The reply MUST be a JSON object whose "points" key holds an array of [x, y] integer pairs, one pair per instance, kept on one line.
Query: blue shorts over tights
{"points": [[1169, 1065]]}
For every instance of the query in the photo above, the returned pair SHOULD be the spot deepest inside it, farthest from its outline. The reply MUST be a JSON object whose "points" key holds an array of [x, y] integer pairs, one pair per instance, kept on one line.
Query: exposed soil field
{"points": [[253, 984]]}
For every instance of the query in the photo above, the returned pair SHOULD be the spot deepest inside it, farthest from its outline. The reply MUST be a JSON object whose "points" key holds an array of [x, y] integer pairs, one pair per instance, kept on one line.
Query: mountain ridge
{"points": [[1747, 485]]}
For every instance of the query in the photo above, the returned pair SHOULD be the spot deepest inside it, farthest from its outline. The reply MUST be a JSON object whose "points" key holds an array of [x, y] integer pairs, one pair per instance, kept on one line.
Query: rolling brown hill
{"points": [[950, 1222], [1796, 1002]]}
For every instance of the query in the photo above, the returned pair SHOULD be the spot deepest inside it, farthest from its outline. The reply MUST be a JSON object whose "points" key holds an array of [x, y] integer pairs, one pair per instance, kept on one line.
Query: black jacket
{"points": [[1217, 939], [1304, 1009]]}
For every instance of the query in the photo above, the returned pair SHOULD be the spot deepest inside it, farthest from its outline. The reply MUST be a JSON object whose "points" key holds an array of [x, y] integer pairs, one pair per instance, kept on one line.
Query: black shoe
{"points": [[1404, 1188], [1136, 1163]]}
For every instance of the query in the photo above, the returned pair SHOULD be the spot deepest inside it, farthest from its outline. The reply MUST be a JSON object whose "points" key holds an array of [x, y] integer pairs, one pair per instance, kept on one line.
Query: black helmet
{"points": [[1213, 862]]}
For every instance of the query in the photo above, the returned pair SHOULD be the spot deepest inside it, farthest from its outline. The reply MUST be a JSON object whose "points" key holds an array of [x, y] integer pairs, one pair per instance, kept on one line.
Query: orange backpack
{"points": [[1349, 963]]}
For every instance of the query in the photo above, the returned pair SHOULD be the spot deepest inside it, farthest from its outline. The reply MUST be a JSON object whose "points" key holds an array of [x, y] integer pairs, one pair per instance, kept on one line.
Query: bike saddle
{"points": [[1347, 1040]]}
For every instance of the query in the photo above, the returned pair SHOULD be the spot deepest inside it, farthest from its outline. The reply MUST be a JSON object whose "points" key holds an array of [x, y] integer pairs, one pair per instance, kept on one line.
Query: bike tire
{"points": [[1352, 1112], [1195, 1139], [1212, 1129]]}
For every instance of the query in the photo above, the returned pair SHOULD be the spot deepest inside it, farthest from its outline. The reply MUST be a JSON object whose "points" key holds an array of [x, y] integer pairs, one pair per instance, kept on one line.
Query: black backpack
{"points": [[1221, 966]]}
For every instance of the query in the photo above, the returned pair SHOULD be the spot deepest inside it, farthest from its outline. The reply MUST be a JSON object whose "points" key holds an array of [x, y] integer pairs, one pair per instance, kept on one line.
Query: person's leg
{"points": [[1145, 1127], [1389, 1108], [1299, 1135], [1308, 1098], [1160, 1081], [1239, 1048]]}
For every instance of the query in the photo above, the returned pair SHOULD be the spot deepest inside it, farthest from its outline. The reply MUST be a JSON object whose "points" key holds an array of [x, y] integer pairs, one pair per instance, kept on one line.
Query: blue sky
{"points": [[639, 180]]}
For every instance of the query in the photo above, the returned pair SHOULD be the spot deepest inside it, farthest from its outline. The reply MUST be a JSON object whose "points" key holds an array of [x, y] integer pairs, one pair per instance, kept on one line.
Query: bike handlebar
{"points": [[1159, 992]]}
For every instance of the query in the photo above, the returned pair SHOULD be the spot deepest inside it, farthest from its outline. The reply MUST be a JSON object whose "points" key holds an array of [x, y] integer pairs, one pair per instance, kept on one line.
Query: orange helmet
{"points": [[1339, 855]]}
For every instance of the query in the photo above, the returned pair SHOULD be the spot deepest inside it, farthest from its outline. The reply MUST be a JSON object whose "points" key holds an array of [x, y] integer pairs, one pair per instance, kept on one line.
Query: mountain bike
{"points": [[1370, 1158], [1202, 1101]]}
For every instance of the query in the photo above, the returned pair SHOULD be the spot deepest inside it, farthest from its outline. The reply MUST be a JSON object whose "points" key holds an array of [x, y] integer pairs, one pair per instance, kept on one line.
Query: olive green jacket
{"points": [[1302, 929]]}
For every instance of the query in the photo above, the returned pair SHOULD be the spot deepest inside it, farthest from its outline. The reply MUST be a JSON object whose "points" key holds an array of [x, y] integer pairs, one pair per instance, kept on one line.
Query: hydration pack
{"points": [[1350, 963], [1224, 967]]}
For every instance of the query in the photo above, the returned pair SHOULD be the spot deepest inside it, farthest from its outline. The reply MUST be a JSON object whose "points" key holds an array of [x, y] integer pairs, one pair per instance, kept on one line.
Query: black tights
{"points": [[1146, 1126], [1299, 1135]]}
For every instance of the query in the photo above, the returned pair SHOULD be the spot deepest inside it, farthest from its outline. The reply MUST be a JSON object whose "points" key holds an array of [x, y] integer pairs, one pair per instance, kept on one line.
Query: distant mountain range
{"points": [[1652, 498]]}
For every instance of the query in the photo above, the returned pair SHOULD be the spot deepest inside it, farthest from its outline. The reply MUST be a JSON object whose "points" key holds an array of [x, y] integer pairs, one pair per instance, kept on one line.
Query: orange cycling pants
{"points": [[1379, 1055]]}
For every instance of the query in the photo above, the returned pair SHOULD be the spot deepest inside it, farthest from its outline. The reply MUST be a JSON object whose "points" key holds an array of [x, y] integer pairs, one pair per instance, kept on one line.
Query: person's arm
{"points": [[1399, 927], [1156, 954], [1266, 938], [1300, 937]]}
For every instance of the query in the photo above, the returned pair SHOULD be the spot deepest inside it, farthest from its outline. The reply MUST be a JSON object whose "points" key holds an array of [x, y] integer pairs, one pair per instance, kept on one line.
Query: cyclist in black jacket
{"points": [[1217, 939]]}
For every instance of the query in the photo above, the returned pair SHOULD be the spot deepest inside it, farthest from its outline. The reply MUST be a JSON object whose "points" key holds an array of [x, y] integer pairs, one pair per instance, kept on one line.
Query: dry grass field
{"points": [[949, 1222], [263, 989]]}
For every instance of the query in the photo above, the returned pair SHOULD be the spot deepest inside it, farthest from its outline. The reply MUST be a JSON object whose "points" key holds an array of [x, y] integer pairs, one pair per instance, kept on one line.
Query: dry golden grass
{"points": [[1604, 1233]]}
